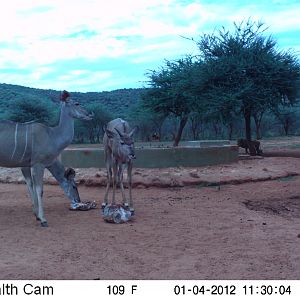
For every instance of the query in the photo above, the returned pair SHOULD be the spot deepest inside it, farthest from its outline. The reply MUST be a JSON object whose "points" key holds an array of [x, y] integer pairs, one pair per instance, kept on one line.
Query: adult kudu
{"points": [[33, 147], [118, 151]]}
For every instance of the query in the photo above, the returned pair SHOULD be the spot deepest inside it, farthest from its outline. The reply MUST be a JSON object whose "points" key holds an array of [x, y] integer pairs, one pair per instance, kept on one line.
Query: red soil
{"points": [[248, 230]]}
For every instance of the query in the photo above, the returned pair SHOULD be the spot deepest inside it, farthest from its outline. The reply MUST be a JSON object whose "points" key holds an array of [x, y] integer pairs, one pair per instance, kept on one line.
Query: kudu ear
{"points": [[133, 131]]}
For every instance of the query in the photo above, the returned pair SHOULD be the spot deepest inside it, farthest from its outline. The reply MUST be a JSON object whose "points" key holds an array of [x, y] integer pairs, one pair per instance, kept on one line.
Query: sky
{"points": [[104, 45]]}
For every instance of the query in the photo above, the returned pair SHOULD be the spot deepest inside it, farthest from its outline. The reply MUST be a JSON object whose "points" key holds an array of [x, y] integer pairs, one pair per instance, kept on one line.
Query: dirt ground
{"points": [[246, 225]]}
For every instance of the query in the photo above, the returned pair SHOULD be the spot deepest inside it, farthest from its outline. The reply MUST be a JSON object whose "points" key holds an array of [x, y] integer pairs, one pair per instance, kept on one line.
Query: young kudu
{"points": [[118, 151], [33, 147]]}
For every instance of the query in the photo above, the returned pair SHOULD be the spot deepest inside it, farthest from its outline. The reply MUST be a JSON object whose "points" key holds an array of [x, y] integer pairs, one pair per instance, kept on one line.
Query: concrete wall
{"points": [[198, 143], [156, 157], [164, 144]]}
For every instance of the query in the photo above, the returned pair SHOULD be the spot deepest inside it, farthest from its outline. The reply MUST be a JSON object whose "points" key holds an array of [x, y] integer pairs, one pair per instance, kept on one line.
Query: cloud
{"points": [[41, 36]]}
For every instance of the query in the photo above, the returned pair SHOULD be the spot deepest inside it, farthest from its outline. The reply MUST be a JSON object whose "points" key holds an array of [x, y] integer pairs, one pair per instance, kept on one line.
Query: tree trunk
{"points": [[258, 131], [257, 120], [286, 126], [216, 129], [159, 132], [194, 121], [230, 130], [247, 116], [182, 123], [194, 131]]}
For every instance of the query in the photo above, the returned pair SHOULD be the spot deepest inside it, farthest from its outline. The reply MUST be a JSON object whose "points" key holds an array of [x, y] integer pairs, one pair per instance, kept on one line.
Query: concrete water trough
{"points": [[198, 143], [156, 157]]}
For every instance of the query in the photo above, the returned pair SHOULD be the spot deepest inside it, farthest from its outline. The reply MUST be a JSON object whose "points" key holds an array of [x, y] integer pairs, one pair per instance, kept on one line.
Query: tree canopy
{"points": [[172, 91], [34, 110], [95, 126], [236, 73], [244, 72]]}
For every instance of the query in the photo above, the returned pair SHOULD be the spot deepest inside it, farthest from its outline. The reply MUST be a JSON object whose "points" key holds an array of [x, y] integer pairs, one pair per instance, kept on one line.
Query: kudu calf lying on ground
{"points": [[33, 147], [118, 152]]}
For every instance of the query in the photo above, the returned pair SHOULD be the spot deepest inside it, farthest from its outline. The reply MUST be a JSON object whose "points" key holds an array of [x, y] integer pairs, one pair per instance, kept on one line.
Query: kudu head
{"points": [[74, 109], [123, 142]]}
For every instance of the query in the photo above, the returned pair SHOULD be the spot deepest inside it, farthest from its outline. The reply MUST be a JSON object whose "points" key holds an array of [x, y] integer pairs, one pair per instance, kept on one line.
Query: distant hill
{"points": [[117, 102]]}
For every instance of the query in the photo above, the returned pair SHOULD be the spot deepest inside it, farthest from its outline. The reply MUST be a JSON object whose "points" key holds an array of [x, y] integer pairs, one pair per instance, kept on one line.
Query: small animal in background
{"points": [[155, 136], [243, 143]]}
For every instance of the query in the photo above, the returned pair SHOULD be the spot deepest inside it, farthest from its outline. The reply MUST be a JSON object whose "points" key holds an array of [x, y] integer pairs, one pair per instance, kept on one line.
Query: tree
{"points": [[147, 121], [196, 122], [286, 116], [258, 114], [243, 72], [34, 109], [94, 128], [171, 92]]}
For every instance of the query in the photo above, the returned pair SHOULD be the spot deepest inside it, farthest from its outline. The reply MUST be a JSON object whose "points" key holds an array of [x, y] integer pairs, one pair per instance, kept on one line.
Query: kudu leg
{"points": [[27, 176], [120, 180], [129, 175], [37, 174], [57, 169], [108, 164], [115, 174]]}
